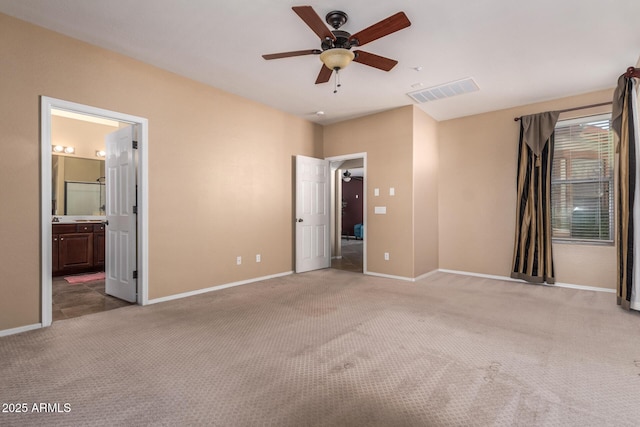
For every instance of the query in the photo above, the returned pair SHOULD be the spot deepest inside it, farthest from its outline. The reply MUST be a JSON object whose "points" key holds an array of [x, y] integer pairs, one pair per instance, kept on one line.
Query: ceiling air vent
{"points": [[444, 91]]}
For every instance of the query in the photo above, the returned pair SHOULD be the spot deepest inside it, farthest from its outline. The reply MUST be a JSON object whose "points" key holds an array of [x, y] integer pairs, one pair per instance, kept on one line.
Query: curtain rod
{"points": [[584, 107], [631, 72]]}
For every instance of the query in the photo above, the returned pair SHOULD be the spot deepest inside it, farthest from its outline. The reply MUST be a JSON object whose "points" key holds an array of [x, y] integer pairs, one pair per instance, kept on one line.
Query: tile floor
{"points": [[352, 253], [80, 299]]}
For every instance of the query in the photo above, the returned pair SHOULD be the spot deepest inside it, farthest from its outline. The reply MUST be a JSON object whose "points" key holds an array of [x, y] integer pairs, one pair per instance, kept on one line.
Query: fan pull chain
{"points": [[336, 81]]}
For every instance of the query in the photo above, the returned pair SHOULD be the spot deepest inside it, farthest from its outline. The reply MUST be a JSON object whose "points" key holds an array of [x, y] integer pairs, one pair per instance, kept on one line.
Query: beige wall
{"points": [[86, 137], [83, 170], [425, 193], [387, 138], [221, 185], [477, 197], [219, 167]]}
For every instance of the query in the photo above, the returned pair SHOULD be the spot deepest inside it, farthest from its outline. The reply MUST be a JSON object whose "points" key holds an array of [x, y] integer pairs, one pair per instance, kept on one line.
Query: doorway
{"points": [[50, 200], [350, 178], [348, 223]]}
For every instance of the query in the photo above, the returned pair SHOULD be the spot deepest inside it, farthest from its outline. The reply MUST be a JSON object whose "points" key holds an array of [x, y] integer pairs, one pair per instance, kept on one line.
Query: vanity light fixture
{"points": [[63, 149], [101, 153]]}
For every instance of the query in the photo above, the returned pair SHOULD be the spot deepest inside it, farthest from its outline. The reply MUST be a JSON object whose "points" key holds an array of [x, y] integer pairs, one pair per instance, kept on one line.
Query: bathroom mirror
{"points": [[78, 186]]}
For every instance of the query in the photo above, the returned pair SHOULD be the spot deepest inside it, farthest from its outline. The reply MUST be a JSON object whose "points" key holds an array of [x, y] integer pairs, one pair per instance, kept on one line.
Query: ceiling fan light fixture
{"points": [[346, 177], [336, 58]]}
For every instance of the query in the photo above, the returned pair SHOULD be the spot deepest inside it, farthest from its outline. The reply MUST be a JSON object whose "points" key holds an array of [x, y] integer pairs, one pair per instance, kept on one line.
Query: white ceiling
{"points": [[517, 52]]}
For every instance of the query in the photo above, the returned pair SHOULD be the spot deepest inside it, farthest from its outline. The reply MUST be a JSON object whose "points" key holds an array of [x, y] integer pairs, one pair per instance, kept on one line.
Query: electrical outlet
{"points": [[386, 256], [258, 258], [239, 260]]}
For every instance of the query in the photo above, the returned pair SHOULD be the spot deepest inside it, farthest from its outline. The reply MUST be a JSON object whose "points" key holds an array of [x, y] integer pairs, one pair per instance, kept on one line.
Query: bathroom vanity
{"points": [[78, 247]]}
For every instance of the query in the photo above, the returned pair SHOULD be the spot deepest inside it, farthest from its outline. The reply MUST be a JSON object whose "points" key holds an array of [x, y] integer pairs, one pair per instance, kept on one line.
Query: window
{"points": [[582, 180]]}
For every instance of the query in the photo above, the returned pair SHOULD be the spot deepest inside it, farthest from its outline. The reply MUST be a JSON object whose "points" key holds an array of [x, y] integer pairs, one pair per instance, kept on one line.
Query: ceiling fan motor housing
{"points": [[336, 18], [341, 41]]}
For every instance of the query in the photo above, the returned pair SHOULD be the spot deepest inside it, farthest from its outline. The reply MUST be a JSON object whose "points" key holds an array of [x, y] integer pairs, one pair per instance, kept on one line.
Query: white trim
{"points": [[143, 212], [19, 330], [389, 276], [45, 215], [216, 288], [425, 275], [510, 279], [485, 276], [365, 222], [406, 279], [142, 124], [584, 287]]}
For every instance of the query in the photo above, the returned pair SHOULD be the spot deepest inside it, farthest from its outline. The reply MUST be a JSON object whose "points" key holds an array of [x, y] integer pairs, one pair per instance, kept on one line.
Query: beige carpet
{"points": [[336, 348]]}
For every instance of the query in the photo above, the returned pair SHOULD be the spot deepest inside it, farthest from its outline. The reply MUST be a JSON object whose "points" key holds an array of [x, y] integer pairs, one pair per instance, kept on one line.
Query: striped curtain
{"points": [[532, 254], [624, 123]]}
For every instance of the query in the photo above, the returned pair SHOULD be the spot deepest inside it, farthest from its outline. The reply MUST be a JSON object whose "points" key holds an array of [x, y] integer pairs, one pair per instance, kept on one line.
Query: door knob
{"points": [[300, 220]]}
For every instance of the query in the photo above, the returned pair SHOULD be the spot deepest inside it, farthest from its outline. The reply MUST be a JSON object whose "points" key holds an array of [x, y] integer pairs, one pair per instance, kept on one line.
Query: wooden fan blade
{"points": [[383, 28], [325, 74], [311, 18], [373, 60], [292, 53]]}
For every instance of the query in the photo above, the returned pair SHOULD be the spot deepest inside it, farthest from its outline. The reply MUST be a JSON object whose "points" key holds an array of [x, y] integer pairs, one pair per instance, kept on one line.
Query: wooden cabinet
{"points": [[75, 251], [98, 245], [54, 253], [77, 248]]}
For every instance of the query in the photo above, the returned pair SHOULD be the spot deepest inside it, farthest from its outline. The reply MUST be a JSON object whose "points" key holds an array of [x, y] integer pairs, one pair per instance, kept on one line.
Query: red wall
{"points": [[352, 213]]}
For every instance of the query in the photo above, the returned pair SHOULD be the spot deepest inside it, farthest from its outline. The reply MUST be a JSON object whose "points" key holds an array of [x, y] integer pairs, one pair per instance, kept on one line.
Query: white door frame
{"points": [[334, 164], [46, 105]]}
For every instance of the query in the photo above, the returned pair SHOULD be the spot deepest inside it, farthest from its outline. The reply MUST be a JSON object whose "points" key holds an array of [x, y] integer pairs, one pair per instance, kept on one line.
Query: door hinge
{"points": [[134, 145], [135, 210], [135, 274]]}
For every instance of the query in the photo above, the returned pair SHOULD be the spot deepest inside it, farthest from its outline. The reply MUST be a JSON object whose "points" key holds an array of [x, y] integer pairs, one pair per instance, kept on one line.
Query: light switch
{"points": [[381, 210], [376, 192], [392, 191]]}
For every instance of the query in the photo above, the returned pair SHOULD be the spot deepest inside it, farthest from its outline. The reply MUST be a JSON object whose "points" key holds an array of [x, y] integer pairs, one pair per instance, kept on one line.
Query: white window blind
{"points": [[582, 180]]}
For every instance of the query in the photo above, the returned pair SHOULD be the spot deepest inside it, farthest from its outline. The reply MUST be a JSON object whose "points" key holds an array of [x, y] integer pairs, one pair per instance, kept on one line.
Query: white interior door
{"points": [[120, 260], [312, 214]]}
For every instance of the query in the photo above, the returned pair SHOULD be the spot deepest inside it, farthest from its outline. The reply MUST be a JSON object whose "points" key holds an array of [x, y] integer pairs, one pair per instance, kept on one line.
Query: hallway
{"points": [[352, 256]]}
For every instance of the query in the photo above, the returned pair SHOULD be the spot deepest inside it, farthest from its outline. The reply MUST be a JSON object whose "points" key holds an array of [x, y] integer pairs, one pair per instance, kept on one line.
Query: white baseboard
{"points": [[406, 279], [216, 288], [585, 288], [425, 275], [21, 329], [389, 276], [511, 279]]}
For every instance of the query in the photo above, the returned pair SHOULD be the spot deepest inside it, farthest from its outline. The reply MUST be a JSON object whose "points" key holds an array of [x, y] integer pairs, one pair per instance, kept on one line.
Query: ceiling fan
{"points": [[346, 177], [335, 47]]}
